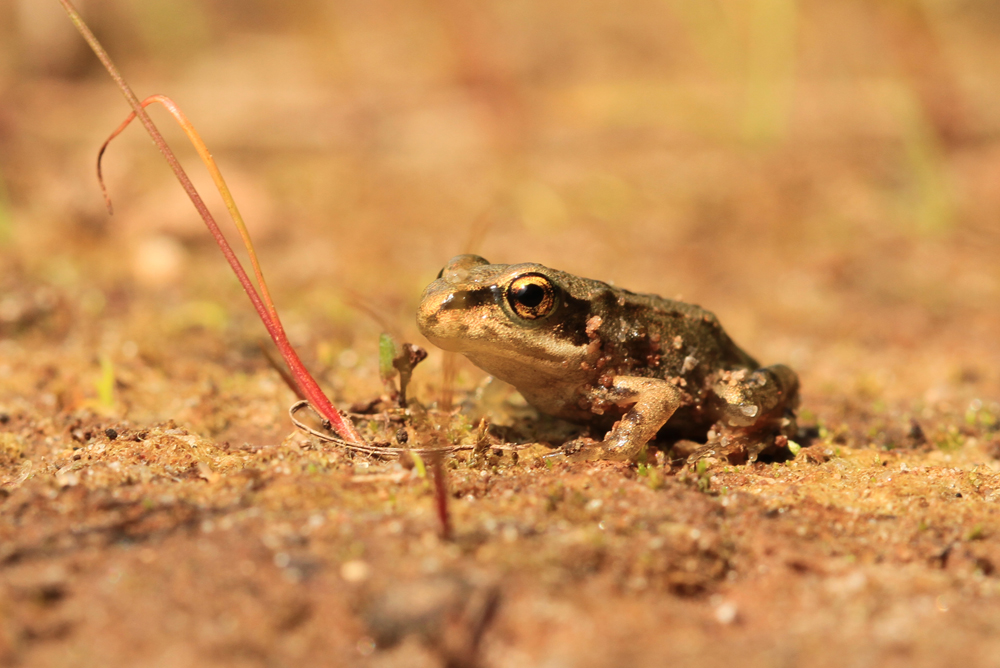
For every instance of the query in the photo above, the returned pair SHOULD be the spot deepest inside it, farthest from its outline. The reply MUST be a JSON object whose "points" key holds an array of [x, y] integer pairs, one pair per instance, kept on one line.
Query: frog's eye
{"points": [[531, 296]]}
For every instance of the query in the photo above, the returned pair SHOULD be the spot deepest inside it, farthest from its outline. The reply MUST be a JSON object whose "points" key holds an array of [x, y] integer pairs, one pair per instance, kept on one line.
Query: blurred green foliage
{"points": [[698, 129]]}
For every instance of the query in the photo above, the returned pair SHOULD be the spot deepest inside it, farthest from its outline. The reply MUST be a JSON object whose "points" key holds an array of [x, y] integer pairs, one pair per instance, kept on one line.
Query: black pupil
{"points": [[530, 295]]}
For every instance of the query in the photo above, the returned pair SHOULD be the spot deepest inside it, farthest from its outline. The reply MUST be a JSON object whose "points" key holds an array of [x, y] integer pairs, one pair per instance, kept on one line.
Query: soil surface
{"points": [[823, 175]]}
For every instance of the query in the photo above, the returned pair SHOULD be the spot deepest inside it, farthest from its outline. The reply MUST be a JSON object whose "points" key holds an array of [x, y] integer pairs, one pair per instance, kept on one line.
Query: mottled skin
{"points": [[585, 351]]}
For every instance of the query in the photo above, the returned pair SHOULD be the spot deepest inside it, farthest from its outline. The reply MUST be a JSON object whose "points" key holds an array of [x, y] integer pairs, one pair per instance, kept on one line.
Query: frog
{"points": [[635, 364]]}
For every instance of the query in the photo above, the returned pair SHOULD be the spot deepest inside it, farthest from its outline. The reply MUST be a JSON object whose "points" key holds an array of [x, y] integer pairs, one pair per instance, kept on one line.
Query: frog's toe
{"points": [[681, 450], [584, 449]]}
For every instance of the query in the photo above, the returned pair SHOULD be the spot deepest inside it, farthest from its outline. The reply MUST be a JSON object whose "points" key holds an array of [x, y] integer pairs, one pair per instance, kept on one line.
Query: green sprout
{"points": [[106, 383]]}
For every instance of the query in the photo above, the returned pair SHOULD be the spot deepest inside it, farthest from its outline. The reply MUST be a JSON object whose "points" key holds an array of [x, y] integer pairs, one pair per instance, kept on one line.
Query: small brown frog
{"points": [[585, 351]]}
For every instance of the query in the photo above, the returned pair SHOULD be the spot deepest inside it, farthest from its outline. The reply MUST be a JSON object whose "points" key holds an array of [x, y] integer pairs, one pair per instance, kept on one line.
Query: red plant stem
{"points": [[302, 377], [441, 495], [220, 184]]}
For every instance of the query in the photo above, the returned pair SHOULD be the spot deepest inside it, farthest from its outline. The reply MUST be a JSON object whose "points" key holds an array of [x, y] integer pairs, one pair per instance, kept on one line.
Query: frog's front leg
{"points": [[652, 402]]}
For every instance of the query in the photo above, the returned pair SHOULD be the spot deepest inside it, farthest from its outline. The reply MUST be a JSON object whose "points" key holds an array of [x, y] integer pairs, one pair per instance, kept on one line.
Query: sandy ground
{"points": [[822, 175]]}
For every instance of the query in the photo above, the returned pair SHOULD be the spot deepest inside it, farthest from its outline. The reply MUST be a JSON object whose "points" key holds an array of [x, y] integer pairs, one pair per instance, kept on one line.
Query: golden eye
{"points": [[531, 296]]}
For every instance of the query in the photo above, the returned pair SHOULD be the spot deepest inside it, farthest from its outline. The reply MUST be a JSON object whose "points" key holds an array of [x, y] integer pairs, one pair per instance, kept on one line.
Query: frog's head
{"points": [[510, 320]]}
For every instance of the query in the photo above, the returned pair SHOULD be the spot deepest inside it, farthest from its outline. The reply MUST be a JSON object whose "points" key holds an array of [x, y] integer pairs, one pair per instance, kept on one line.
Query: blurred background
{"points": [[823, 174]]}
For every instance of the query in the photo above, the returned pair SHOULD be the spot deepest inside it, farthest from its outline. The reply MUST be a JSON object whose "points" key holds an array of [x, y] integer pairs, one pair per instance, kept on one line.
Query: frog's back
{"points": [[648, 335]]}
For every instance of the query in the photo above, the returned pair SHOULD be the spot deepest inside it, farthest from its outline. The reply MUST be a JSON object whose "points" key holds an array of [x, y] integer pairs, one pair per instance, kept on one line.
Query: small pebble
{"points": [[355, 571], [726, 613]]}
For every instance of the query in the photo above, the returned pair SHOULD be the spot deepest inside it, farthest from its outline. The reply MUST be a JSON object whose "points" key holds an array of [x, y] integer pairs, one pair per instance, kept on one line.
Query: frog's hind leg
{"points": [[751, 396], [755, 410]]}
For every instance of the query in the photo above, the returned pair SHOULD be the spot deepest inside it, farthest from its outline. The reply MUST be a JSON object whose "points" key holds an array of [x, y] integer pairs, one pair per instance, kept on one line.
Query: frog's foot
{"points": [[725, 445], [741, 445]]}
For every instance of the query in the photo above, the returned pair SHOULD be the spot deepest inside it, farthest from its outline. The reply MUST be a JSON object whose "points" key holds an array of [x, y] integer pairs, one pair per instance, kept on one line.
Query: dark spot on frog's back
{"points": [[572, 320]]}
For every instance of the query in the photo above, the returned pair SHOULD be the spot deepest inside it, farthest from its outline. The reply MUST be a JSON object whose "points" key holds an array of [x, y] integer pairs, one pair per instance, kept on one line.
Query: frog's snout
{"points": [[429, 310], [433, 318]]}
